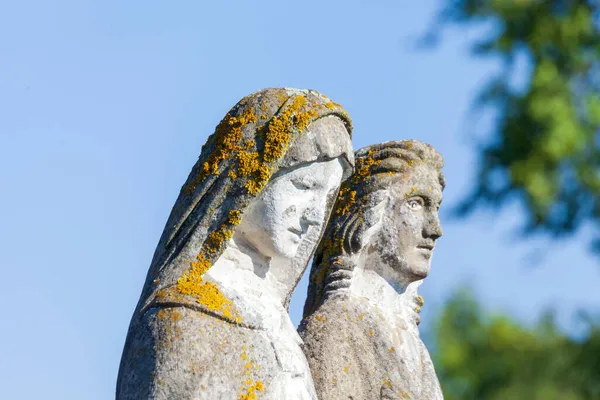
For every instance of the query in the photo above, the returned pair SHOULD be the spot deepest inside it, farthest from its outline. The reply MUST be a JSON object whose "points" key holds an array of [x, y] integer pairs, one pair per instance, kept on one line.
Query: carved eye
{"points": [[415, 204], [305, 183]]}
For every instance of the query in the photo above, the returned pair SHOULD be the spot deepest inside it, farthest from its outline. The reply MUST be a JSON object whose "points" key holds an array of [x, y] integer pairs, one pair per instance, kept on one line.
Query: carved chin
{"points": [[420, 269], [286, 248]]}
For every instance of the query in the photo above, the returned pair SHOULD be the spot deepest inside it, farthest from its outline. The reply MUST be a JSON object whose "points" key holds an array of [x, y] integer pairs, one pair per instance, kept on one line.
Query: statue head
{"points": [[293, 201], [385, 219], [268, 176]]}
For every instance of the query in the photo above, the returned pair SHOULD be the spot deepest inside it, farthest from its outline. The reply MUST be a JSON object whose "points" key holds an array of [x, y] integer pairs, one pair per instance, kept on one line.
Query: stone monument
{"points": [[360, 320], [212, 320]]}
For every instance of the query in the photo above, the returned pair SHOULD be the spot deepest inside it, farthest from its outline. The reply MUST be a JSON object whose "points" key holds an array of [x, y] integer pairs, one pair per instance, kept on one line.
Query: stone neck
{"points": [[243, 269], [397, 302]]}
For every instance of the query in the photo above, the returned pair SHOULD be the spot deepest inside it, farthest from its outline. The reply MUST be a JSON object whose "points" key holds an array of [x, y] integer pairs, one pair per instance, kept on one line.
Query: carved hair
{"points": [[376, 166], [256, 138]]}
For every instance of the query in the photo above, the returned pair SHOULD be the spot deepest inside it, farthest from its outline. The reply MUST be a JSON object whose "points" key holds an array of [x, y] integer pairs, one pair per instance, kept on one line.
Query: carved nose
{"points": [[315, 213], [433, 228], [313, 216]]}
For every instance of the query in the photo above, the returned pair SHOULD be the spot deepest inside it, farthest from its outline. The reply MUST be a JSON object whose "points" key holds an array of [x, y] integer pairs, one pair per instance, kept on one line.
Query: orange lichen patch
{"points": [[206, 293], [162, 314], [371, 332], [347, 199], [161, 295], [251, 389], [347, 368], [392, 350], [364, 167], [216, 239], [174, 315], [248, 144], [253, 186], [237, 155], [261, 177], [387, 384], [235, 217], [347, 196], [278, 136], [228, 136], [331, 105], [320, 318], [247, 163]]}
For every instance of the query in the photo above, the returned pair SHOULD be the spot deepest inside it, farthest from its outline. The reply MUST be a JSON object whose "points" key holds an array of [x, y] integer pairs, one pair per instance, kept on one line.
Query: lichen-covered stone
{"points": [[360, 319], [212, 319]]}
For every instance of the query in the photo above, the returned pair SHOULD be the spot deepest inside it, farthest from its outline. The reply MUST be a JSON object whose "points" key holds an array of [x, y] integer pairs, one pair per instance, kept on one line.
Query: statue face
{"points": [[411, 224], [293, 200]]}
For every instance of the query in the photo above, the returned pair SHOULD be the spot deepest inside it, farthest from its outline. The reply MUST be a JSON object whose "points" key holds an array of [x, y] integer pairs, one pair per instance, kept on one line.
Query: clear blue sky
{"points": [[104, 106]]}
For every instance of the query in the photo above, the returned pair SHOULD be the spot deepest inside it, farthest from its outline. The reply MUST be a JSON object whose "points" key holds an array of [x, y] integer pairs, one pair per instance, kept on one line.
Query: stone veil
{"points": [[360, 319], [212, 321]]}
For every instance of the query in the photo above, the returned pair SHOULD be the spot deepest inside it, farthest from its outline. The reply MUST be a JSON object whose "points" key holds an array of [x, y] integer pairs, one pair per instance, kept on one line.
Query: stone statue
{"points": [[212, 320], [360, 320]]}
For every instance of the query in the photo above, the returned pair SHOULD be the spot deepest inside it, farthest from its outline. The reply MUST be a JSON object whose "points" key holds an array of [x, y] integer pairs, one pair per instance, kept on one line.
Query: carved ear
{"points": [[363, 228]]}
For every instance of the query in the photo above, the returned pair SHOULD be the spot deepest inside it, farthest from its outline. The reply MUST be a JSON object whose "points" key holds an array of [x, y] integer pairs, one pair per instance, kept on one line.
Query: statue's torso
{"points": [[180, 353], [355, 352]]}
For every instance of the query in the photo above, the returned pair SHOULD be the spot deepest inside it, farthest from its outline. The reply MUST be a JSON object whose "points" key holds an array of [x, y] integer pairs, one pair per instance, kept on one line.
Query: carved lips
{"points": [[426, 248], [297, 234]]}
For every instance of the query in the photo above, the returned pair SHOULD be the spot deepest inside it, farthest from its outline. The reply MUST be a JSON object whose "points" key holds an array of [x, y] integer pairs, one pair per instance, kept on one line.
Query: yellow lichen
{"points": [[278, 136], [331, 105], [176, 316], [364, 167], [235, 217], [347, 199], [247, 163], [251, 389], [420, 300], [206, 293], [253, 186], [227, 136], [241, 158]]}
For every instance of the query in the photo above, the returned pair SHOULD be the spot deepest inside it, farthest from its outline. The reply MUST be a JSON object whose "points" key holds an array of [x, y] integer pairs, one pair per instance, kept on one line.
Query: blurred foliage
{"points": [[546, 144], [493, 358]]}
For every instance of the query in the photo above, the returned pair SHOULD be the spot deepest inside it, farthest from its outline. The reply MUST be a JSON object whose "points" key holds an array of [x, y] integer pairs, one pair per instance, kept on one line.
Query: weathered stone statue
{"points": [[360, 319], [212, 320]]}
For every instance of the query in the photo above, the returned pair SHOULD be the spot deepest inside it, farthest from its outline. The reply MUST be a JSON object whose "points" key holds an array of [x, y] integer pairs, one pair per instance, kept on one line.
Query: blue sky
{"points": [[105, 105]]}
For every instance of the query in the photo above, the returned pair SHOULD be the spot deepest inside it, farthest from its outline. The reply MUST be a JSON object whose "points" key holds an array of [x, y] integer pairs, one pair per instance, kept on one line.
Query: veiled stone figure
{"points": [[360, 319], [212, 320]]}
